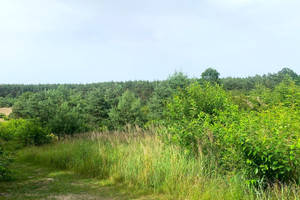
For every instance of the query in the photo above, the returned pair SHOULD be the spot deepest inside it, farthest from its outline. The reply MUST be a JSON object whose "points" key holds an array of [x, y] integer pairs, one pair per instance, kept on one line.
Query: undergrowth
{"points": [[141, 160]]}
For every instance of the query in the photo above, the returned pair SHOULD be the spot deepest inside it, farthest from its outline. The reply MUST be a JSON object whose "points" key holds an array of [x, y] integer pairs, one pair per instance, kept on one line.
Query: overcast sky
{"points": [[84, 41]]}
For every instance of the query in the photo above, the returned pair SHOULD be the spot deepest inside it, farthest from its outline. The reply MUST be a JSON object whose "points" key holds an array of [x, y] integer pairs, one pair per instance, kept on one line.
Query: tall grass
{"points": [[143, 161]]}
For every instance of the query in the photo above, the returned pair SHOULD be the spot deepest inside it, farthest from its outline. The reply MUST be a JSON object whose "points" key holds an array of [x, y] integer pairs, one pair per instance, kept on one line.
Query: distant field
{"points": [[5, 111]]}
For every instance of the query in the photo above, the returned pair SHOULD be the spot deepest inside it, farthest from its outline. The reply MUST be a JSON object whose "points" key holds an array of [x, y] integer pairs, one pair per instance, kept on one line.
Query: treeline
{"points": [[66, 110], [10, 92], [144, 89], [69, 108], [270, 81]]}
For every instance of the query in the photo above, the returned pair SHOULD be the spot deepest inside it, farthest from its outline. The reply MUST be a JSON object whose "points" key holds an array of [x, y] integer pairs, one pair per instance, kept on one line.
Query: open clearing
{"points": [[6, 111], [32, 182]]}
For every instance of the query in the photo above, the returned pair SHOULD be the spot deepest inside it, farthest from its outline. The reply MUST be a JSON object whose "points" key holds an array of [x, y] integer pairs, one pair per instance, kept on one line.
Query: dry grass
{"points": [[6, 111]]}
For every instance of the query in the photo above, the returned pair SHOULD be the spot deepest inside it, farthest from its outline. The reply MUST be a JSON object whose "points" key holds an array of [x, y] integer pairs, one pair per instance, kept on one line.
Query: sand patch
{"points": [[6, 111]]}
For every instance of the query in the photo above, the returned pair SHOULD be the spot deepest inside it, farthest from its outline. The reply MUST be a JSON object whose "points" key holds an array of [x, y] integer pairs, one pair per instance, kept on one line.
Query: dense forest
{"points": [[247, 126]]}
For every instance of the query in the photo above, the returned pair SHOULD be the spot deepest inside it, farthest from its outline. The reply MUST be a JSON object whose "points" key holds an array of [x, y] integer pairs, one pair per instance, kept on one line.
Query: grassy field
{"points": [[127, 163]]}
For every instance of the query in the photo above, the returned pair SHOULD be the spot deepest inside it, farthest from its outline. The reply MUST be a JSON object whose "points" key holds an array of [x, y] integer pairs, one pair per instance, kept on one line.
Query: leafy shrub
{"points": [[287, 93], [265, 145], [5, 160], [66, 121], [270, 144], [195, 116], [24, 132], [15, 134]]}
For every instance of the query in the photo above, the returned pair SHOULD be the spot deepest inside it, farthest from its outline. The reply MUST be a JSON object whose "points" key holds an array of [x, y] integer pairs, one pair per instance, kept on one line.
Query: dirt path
{"points": [[6, 112], [31, 182]]}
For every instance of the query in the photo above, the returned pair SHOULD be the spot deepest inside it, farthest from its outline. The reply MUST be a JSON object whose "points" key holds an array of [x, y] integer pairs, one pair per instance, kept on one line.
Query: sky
{"points": [[85, 41]]}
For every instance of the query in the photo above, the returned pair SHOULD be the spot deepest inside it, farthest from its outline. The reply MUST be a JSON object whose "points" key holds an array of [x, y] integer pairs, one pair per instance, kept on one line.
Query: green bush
{"points": [[287, 93], [269, 142], [264, 145], [5, 160], [195, 116], [24, 132], [16, 134]]}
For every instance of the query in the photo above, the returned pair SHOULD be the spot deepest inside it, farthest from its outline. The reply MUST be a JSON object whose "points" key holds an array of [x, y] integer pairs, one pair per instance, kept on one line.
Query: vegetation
{"points": [[239, 136], [143, 161], [269, 144], [211, 75], [24, 133], [51, 183], [5, 161]]}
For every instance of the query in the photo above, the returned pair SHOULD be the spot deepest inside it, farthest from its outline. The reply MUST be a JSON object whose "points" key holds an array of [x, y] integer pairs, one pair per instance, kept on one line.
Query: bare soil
{"points": [[6, 111]]}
